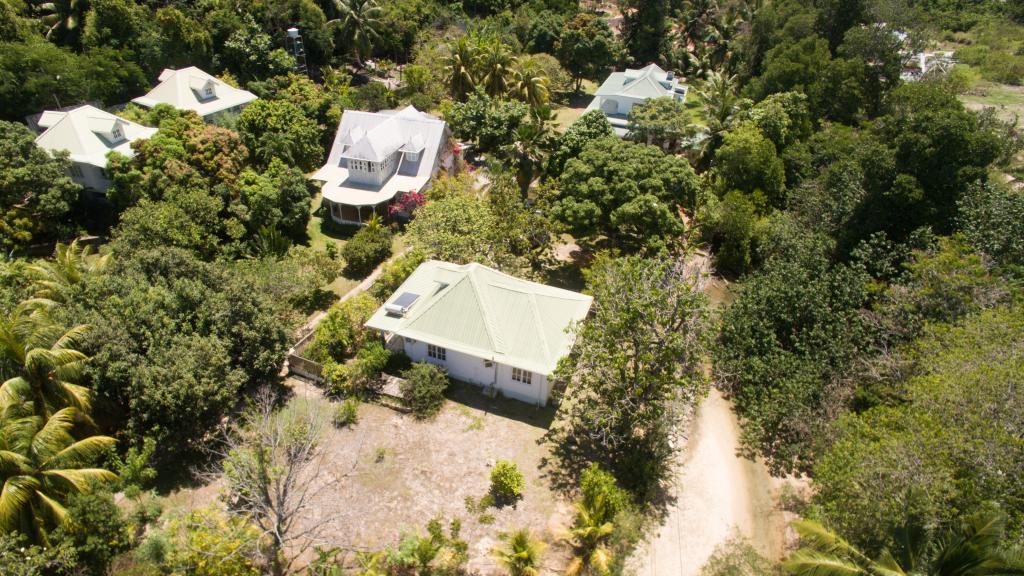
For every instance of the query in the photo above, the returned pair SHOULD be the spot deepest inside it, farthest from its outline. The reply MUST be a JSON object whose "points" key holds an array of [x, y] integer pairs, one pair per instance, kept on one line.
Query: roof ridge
{"points": [[539, 326], [497, 344]]}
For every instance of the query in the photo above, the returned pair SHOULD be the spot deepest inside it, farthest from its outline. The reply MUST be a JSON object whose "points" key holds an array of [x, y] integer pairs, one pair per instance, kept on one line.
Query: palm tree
{"points": [[41, 467], [972, 547], [529, 83], [496, 63], [589, 536], [61, 16], [721, 107], [46, 362], [460, 67], [521, 553], [360, 25], [528, 151], [55, 280]]}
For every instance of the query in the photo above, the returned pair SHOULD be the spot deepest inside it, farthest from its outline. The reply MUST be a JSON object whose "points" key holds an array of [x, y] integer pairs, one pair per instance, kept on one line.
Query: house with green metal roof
{"points": [[483, 326]]}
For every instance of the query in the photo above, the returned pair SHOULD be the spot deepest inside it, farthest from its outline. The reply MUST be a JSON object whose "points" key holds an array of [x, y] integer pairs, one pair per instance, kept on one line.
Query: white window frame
{"points": [[208, 91], [522, 376], [437, 352], [116, 133]]}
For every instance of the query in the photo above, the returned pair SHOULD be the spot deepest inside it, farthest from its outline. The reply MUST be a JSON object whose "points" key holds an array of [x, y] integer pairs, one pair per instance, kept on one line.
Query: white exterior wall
{"points": [[535, 393], [92, 177], [473, 370]]}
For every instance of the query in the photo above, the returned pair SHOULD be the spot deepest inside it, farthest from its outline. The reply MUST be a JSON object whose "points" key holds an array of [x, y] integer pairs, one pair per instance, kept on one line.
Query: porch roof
{"points": [[338, 188]]}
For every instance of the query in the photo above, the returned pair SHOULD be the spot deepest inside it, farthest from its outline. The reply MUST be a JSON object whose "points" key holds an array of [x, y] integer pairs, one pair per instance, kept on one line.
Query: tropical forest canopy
{"points": [[871, 224]]}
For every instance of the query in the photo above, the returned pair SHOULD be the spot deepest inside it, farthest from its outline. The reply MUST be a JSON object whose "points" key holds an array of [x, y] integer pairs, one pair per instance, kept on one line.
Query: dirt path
{"points": [[717, 494]]}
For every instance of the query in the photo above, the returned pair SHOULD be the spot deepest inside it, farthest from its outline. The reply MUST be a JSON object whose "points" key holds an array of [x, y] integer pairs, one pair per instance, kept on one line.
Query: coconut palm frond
{"points": [[81, 480], [807, 562], [15, 497], [81, 453]]}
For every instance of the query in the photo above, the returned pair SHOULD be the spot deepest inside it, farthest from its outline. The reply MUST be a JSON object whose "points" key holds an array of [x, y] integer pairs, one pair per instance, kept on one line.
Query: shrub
{"points": [[423, 389], [598, 484], [370, 246], [507, 481], [395, 272], [346, 414], [398, 362], [341, 332], [365, 371]]}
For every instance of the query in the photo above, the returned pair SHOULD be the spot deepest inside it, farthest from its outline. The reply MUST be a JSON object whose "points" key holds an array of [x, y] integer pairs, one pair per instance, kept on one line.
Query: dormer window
{"points": [[208, 91], [116, 134]]}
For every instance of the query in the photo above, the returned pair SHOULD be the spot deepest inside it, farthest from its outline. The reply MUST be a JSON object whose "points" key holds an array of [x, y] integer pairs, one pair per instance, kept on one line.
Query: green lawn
{"points": [[569, 113], [318, 233], [321, 235]]}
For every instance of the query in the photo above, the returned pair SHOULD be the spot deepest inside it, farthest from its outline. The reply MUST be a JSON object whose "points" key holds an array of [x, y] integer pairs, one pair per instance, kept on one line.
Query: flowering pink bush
{"points": [[407, 203]]}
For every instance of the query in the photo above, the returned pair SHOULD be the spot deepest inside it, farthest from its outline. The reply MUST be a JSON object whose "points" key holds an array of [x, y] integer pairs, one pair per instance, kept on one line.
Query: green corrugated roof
{"points": [[481, 311]]}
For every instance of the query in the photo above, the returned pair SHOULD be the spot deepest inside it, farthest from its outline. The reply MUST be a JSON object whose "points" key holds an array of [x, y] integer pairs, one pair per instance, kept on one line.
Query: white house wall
{"points": [[92, 177], [474, 370]]}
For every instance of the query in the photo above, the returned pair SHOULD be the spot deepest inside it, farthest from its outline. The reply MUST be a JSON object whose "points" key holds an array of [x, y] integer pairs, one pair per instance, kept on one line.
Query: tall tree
{"points": [[528, 152], [645, 24], [36, 193], [587, 47], [460, 68], [529, 83], [721, 105], [56, 280], [628, 389], [496, 65], [41, 467], [360, 24]]}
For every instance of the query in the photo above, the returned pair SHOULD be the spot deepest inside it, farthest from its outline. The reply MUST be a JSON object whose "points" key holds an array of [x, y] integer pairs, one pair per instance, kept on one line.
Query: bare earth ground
{"points": [[395, 473], [717, 493]]}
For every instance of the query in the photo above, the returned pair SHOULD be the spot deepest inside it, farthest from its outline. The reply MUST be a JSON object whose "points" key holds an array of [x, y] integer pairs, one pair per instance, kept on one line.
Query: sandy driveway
{"points": [[717, 493]]}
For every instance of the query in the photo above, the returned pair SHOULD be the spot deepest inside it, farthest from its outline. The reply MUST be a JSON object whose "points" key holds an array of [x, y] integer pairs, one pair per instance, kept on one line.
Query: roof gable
{"points": [[88, 134], [186, 89]]}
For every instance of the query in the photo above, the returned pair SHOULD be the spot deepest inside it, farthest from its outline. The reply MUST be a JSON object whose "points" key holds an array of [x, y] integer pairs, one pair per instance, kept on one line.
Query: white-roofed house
{"points": [[379, 156], [623, 90], [483, 326], [88, 134], [192, 89]]}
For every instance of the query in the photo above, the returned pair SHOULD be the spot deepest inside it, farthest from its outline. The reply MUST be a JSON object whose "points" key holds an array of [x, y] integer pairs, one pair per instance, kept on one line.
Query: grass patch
{"points": [[321, 232]]}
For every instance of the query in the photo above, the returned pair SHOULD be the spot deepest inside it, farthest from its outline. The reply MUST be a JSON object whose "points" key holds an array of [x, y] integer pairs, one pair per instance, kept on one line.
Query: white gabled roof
{"points": [[485, 313], [183, 89], [85, 133], [373, 136]]}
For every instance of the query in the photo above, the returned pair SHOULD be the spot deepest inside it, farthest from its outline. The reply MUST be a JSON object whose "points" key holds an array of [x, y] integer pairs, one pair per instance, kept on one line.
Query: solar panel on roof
{"points": [[399, 306]]}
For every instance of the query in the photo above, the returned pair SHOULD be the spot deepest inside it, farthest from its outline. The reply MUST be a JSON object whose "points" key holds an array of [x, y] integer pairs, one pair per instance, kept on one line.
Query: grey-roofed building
{"points": [[623, 90], [378, 156]]}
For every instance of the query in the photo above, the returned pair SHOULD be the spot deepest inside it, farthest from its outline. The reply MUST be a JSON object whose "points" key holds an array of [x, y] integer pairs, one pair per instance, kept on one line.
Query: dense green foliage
{"points": [[36, 194], [628, 193], [959, 448], [367, 248], [629, 388], [423, 389]]}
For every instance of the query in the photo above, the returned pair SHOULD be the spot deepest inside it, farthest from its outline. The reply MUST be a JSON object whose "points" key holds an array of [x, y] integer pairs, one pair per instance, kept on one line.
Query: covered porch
{"points": [[357, 215]]}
